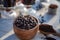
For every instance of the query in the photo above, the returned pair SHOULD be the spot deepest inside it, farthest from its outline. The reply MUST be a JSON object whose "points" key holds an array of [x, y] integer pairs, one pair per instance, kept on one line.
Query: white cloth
{"points": [[8, 15]]}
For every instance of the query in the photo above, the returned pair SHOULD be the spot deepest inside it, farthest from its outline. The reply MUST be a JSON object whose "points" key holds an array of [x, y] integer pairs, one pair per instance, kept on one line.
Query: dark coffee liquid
{"points": [[28, 2], [9, 3], [53, 6]]}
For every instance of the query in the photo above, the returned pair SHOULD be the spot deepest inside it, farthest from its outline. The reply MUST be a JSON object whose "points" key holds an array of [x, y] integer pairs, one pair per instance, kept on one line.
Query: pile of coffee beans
{"points": [[26, 22]]}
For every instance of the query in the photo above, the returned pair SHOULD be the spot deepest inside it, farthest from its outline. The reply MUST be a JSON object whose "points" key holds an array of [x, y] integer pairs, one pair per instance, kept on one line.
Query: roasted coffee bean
{"points": [[24, 24], [18, 25]]}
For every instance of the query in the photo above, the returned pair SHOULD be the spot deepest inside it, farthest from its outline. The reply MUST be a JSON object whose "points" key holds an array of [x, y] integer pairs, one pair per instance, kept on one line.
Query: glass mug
{"points": [[52, 9], [28, 3]]}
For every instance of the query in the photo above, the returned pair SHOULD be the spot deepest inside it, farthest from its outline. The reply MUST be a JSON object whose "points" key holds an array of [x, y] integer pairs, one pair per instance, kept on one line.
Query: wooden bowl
{"points": [[25, 34]]}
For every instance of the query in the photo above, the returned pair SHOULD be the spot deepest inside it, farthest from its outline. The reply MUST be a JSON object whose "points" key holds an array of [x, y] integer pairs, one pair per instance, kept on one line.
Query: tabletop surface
{"points": [[6, 26]]}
